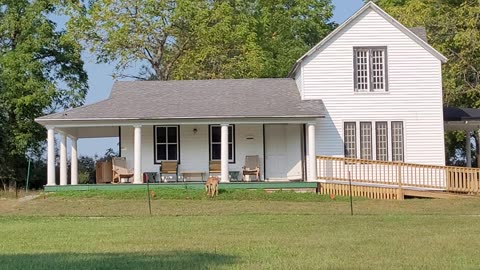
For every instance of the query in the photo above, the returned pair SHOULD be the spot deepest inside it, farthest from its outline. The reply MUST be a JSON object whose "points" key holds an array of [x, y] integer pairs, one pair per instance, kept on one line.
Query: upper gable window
{"points": [[370, 69]]}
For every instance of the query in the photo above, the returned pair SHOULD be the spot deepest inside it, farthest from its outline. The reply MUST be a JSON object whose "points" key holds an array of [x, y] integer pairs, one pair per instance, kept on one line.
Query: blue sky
{"points": [[101, 81]]}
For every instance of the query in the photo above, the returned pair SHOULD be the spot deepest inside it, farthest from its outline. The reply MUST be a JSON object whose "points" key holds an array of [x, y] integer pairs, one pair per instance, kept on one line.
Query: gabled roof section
{"points": [[370, 5], [197, 99]]}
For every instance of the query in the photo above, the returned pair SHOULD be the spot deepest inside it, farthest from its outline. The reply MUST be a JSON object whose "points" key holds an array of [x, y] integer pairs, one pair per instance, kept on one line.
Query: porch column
{"points": [[74, 162], [224, 153], [312, 160], [137, 155], [468, 148], [50, 156], [63, 159]]}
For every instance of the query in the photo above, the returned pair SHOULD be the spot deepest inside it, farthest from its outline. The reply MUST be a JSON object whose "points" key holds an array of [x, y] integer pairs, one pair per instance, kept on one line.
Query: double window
{"points": [[215, 142], [166, 143], [378, 150], [370, 69]]}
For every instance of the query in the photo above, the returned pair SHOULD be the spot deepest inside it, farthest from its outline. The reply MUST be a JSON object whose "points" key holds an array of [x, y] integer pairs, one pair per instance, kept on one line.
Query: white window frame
{"points": [[168, 144], [211, 143], [371, 72]]}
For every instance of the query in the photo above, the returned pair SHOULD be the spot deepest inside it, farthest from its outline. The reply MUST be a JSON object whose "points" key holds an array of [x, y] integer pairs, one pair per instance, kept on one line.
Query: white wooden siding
{"points": [[414, 89]]}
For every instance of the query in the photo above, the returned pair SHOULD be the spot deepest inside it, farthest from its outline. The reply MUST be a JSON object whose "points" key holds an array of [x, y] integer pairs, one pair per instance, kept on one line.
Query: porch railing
{"points": [[453, 179]]}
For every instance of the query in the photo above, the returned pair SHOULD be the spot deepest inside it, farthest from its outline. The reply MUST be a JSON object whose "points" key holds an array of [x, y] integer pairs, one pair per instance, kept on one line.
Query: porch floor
{"points": [[186, 185]]}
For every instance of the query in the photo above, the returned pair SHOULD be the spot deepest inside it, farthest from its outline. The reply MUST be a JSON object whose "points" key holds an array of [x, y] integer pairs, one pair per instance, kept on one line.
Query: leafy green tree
{"points": [[40, 72], [203, 39]]}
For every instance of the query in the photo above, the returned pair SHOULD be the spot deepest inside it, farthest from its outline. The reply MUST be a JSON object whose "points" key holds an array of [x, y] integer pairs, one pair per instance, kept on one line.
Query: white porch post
{"points": [[224, 153], [74, 162], [137, 156], [50, 156], [468, 148], [312, 160], [63, 159]]}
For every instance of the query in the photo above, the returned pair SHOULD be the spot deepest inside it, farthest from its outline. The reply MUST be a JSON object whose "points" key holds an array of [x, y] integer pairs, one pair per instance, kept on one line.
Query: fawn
{"points": [[211, 186]]}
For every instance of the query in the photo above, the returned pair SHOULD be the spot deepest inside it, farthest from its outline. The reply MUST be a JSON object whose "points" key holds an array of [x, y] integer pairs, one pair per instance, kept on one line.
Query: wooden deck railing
{"points": [[453, 179]]}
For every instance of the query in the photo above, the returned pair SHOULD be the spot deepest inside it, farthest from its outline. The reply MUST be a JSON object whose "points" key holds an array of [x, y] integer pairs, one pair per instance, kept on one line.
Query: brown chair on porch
{"points": [[215, 167], [119, 169], [169, 167], [252, 167]]}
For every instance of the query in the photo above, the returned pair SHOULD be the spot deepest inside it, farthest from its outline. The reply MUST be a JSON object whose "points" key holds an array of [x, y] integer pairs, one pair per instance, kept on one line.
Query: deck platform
{"points": [[187, 185]]}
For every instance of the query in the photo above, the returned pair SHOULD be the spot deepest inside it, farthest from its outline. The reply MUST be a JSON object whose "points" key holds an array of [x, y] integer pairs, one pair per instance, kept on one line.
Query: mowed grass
{"points": [[237, 230]]}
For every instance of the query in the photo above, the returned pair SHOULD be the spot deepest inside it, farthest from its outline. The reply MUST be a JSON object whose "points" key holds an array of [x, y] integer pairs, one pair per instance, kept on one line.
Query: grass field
{"points": [[237, 230]]}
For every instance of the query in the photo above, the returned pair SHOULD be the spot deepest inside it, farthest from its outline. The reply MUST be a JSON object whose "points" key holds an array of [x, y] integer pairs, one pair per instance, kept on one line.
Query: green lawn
{"points": [[237, 230]]}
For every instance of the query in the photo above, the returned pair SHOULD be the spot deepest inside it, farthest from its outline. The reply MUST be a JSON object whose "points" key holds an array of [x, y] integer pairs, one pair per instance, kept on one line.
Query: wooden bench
{"points": [[187, 174]]}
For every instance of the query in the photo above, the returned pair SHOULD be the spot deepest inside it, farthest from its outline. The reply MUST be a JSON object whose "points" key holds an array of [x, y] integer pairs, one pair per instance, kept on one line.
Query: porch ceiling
{"points": [[90, 132]]}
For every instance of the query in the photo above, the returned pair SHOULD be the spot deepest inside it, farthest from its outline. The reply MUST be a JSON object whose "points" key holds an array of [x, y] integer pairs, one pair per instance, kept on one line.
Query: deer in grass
{"points": [[211, 186]]}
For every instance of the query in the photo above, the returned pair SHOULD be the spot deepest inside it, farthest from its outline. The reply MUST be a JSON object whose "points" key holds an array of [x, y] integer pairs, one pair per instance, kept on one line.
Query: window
{"points": [[215, 143], [365, 140], [382, 140], [379, 149], [370, 74], [350, 144], [397, 141], [166, 143]]}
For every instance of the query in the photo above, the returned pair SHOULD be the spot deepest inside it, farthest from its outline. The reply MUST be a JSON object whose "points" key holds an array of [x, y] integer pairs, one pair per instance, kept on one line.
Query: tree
{"points": [[40, 72], [204, 39], [86, 166]]}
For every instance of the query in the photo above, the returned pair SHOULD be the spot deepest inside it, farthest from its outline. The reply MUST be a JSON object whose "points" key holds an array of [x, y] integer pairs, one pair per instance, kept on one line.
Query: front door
{"points": [[283, 152], [275, 152]]}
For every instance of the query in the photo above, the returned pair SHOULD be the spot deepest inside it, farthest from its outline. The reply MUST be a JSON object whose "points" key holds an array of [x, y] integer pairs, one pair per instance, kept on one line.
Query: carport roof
{"points": [[451, 114]]}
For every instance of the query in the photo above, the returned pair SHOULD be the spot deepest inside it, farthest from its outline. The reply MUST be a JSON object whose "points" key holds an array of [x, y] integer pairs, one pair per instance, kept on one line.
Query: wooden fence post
{"points": [[448, 179], [475, 183], [400, 195]]}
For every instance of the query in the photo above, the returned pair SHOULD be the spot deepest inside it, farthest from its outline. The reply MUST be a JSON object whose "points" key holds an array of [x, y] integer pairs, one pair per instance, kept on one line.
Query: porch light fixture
{"points": [[195, 131]]}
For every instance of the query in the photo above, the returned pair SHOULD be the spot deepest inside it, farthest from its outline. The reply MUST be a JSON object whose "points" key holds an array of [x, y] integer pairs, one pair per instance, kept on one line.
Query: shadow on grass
{"points": [[163, 260]]}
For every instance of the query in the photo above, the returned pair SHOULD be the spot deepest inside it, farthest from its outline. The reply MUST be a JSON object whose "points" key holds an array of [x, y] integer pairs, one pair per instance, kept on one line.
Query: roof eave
{"points": [[39, 120]]}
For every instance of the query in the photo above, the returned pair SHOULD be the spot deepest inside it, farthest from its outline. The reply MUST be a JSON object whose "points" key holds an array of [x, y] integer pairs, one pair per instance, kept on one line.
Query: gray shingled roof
{"points": [[198, 99], [420, 31], [460, 114]]}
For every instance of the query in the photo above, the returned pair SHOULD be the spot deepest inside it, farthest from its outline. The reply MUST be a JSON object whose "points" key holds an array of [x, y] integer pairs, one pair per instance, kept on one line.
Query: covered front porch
{"points": [[194, 123], [283, 148]]}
